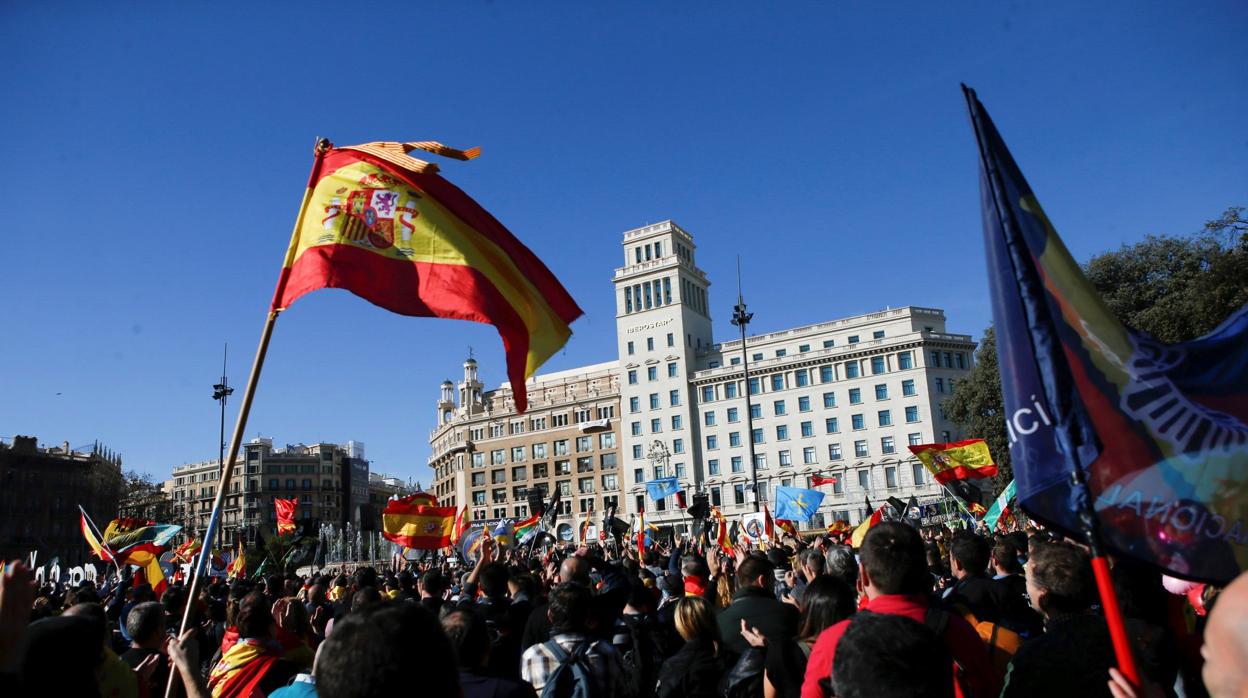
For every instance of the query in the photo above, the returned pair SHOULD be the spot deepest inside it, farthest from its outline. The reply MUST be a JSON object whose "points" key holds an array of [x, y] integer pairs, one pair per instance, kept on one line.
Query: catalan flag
{"points": [[959, 460], [385, 226], [285, 515], [1159, 432], [461, 525], [186, 552], [416, 525], [238, 566]]}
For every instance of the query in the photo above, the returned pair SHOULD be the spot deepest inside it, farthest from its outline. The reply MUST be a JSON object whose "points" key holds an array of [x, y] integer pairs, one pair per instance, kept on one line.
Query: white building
{"points": [[842, 398]]}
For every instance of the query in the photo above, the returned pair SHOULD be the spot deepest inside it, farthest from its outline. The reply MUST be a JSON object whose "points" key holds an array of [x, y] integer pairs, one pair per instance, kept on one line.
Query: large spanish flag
{"points": [[417, 526], [385, 226], [959, 460], [146, 556]]}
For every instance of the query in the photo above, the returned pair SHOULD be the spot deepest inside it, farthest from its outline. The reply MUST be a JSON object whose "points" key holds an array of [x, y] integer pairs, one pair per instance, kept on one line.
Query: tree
{"points": [[143, 499], [1174, 288]]}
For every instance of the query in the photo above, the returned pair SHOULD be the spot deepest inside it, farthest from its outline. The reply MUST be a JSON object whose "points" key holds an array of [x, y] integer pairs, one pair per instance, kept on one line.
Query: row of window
{"points": [[780, 408], [831, 425], [606, 461], [652, 372], [519, 454], [556, 421], [584, 485], [647, 295], [520, 511], [631, 347], [806, 376]]}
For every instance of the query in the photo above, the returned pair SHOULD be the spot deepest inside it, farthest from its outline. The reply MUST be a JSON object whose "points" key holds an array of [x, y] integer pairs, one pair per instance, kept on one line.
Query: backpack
{"points": [[573, 678], [641, 658]]}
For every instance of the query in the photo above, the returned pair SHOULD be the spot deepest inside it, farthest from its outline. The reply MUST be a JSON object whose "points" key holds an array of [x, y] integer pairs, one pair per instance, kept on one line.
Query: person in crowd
{"points": [[146, 625], [388, 649], [253, 662], [827, 601], [643, 641], [884, 655], [972, 589], [893, 575], [1016, 610], [469, 637], [572, 655], [756, 604], [694, 670], [432, 590]]}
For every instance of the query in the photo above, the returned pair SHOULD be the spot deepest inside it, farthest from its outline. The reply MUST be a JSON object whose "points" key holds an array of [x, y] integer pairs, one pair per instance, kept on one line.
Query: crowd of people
{"points": [[909, 613]]}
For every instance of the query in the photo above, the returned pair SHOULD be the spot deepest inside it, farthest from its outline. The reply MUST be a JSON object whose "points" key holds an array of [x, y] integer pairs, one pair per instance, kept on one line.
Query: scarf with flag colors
{"points": [[386, 227], [959, 460], [860, 532], [241, 669], [1158, 432], [818, 480], [1000, 506], [285, 515], [406, 522]]}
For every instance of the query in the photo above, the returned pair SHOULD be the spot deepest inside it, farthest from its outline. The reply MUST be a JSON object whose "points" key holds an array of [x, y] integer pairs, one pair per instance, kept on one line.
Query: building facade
{"points": [[842, 398], [41, 489]]}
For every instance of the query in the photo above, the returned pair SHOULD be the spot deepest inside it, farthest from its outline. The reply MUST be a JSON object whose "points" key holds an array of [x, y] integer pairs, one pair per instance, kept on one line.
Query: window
{"points": [[606, 440], [831, 425], [838, 486], [735, 463], [498, 457], [877, 365], [890, 477], [878, 334], [632, 376], [803, 403], [961, 360], [712, 442], [851, 369], [834, 451], [649, 342], [734, 439], [672, 371], [654, 401], [916, 471], [801, 378], [540, 470], [634, 404], [636, 428], [907, 388], [478, 479], [755, 387], [782, 432], [478, 460], [630, 344], [935, 359], [756, 357], [610, 483], [712, 466], [864, 479], [756, 436], [708, 418], [777, 382], [808, 429], [561, 447], [760, 461], [905, 360], [829, 343], [881, 391], [585, 464], [478, 498], [855, 396], [656, 426], [637, 451], [856, 422], [732, 415], [885, 418], [673, 398], [730, 390], [756, 411], [652, 373], [887, 445], [738, 494], [808, 455], [778, 406], [853, 339], [585, 485], [680, 470], [658, 472], [708, 393], [715, 496], [671, 338], [940, 385], [912, 415], [678, 445], [914, 439], [676, 422], [785, 459], [948, 359], [829, 400], [639, 475], [860, 449], [803, 348], [825, 374]]}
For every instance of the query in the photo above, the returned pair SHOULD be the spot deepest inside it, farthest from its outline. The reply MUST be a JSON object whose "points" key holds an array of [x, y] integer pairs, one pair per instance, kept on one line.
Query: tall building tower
{"points": [[662, 322]]}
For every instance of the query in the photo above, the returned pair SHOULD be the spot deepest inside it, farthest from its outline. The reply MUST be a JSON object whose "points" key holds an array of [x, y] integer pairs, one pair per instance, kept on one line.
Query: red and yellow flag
{"points": [[238, 566], [97, 548], [285, 515], [839, 528], [721, 531], [188, 549], [959, 460], [855, 539], [787, 526], [146, 556], [417, 526], [461, 525], [385, 226], [818, 480]]}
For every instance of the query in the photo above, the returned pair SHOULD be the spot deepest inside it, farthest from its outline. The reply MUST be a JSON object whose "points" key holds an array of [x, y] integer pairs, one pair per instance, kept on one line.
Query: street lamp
{"points": [[220, 392], [741, 319]]}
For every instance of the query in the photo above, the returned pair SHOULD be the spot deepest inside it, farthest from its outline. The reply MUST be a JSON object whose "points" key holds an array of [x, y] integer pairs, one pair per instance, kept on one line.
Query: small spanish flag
{"points": [[721, 531], [959, 460], [97, 548], [787, 526], [416, 525], [861, 532]]}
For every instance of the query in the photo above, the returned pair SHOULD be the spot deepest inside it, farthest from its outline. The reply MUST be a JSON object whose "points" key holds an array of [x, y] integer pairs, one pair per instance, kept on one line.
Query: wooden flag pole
{"points": [[244, 409]]}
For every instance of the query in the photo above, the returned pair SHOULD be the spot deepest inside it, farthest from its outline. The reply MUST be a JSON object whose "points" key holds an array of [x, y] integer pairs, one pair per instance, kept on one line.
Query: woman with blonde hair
{"points": [[694, 671]]}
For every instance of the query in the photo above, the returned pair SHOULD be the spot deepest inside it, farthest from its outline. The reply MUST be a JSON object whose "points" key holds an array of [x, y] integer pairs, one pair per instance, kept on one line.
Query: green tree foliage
{"points": [[1174, 288]]}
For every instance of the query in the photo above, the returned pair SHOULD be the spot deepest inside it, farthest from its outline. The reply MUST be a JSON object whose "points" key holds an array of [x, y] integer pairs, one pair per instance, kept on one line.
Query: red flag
{"points": [[787, 526], [680, 499], [285, 515], [818, 480]]}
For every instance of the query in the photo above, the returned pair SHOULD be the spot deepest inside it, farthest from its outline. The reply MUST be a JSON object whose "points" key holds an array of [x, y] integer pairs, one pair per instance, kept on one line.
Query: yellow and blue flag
{"points": [[1158, 431], [796, 504], [661, 488]]}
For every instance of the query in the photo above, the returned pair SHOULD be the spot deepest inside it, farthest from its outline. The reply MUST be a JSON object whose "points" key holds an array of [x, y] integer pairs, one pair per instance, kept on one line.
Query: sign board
{"points": [[754, 526]]}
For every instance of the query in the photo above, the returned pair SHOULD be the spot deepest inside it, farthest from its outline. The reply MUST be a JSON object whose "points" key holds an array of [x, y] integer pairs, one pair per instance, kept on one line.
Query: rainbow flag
{"points": [[959, 460], [526, 527], [416, 525], [386, 227], [1158, 432]]}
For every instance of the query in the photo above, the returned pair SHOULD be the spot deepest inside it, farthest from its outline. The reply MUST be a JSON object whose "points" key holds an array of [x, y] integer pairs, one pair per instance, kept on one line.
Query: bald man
{"points": [[1226, 643], [606, 605]]}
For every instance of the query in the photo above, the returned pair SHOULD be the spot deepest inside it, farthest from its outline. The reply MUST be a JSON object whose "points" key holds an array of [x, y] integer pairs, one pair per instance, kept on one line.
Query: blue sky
{"points": [[155, 156]]}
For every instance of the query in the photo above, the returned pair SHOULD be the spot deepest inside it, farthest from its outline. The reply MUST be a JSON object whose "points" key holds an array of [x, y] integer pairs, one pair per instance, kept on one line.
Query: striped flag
{"points": [[386, 227], [959, 460], [526, 527], [861, 532], [1000, 506], [417, 526]]}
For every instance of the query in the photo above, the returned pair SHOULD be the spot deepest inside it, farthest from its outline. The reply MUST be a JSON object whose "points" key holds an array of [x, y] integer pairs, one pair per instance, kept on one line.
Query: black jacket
{"points": [[981, 595], [1072, 658], [693, 672], [774, 619]]}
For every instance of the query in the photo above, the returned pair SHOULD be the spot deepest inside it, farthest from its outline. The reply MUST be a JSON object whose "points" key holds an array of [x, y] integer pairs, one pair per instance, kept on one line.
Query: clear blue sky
{"points": [[154, 157]]}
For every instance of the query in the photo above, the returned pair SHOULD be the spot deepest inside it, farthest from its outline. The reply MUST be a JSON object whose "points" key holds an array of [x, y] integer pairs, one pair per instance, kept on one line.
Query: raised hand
{"points": [[17, 593]]}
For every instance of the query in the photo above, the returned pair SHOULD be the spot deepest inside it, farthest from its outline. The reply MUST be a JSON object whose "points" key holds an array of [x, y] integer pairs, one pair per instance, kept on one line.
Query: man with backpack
{"points": [[893, 575], [573, 664]]}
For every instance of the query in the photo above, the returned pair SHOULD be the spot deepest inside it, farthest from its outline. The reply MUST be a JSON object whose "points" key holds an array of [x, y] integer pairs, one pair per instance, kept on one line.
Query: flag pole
{"points": [[99, 535], [1087, 516], [244, 408]]}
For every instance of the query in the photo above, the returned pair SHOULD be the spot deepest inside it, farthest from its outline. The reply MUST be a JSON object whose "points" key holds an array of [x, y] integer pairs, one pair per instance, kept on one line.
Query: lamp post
{"points": [[220, 392], [741, 319]]}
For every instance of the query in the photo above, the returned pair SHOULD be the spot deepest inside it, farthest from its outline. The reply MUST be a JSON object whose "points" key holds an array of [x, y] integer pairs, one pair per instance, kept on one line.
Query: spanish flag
{"points": [[186, 552], [147, 557], [417, 526], [855, 539], [721, 531], [959, 460], [238, 566], [97, 548], [461, 525], [285, 515], [386, 227]]}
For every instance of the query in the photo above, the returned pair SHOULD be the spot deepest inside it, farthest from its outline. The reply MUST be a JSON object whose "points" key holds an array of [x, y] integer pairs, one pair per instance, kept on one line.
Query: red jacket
{"points": [[963, 642]]}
